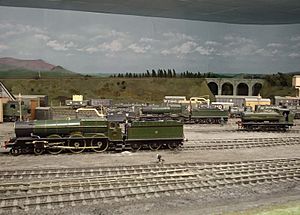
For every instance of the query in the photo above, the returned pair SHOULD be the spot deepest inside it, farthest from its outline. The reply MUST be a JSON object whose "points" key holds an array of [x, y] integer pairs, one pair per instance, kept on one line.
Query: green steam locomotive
{"points": [[97, 135], [267, 118], [199, 115]]}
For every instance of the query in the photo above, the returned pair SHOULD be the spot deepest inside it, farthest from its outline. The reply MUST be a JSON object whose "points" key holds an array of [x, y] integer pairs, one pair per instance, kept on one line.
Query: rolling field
{"points": [[150, 90]]}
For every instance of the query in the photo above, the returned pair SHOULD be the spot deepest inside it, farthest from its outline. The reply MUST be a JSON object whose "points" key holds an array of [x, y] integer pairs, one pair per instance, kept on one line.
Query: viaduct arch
{"points": [[235, 86]]}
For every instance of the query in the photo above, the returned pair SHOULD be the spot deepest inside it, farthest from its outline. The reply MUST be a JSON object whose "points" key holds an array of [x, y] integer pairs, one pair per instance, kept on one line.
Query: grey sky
{"points": [[104, 43]]}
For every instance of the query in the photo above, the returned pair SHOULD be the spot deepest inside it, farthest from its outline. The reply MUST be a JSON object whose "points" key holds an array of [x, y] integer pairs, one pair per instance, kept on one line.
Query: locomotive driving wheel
{"points": [[136, 146], [15, 151], [55, 146], [154, 146], [172, 145], [78, 144], [98, 144], [38, 151]]}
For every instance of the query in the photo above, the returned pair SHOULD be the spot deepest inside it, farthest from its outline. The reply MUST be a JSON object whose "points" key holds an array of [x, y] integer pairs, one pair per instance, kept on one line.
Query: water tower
{"points": [[296, 84]]}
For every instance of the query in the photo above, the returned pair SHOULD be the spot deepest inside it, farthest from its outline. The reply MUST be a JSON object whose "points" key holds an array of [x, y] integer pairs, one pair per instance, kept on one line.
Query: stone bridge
{"points": [[235, 86]]}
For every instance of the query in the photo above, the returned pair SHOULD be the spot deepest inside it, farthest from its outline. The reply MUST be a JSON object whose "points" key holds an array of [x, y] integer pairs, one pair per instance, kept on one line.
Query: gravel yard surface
{"points": [[228, 200]]}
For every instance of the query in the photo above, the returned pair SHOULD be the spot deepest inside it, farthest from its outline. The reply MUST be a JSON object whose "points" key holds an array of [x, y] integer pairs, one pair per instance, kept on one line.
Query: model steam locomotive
{"points": [[267, 118], [98, 135], [187, 115]]}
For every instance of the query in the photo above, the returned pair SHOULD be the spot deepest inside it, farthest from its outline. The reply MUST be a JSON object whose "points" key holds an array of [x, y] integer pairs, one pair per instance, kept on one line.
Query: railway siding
{"points": [[52, 188]]}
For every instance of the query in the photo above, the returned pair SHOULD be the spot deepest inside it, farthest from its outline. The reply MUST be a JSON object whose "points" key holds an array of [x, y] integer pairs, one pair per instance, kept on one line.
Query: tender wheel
{"points": [[78, 145], [15, 151], [100, 145], [55, 144], [38, 151], [154, 146], [202, 121], [136, 146], [172, 145]]}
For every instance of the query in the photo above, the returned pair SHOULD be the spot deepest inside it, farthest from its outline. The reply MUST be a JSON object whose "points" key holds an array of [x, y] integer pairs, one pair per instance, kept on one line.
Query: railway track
{"points": [[54, 188], [244, 143], [51, 173], [236, 130], [220, 144]]}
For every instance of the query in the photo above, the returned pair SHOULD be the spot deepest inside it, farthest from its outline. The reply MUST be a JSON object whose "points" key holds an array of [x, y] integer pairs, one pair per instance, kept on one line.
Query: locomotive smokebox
{"points": [[24, 129]]}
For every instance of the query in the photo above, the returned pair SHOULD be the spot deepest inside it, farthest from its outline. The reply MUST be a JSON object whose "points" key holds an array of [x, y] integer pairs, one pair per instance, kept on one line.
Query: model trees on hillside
{"points": [[162, 73]]}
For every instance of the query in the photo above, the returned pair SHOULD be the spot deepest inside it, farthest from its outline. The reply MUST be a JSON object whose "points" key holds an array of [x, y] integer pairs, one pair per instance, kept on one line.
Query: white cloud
{"points": [[147, 40], [237, 40], [109, 34], [296, 46], [61, 46], [25, 53], [42, 37], [275, 45], [17, 29], [91, 50], [138, 48], [73, 37], [54, 44], [242, 50], [294, 55], [114, 46], [177, 36], [212, 43], [263, 52], [6, 25], [247, 49], [185, 48], [115, 33], [3, 47], [274, 52], [71, 44], [295, 38], [204, 50]]}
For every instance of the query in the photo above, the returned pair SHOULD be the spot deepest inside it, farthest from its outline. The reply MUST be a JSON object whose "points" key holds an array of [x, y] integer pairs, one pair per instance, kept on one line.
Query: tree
{"points": [[165, 74], [174, 73], [153, 73]]}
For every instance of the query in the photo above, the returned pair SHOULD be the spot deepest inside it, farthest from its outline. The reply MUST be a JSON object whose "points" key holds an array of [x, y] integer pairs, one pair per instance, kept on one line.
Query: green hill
{"points": [[23, 73], [59, 86], [118, 89]]}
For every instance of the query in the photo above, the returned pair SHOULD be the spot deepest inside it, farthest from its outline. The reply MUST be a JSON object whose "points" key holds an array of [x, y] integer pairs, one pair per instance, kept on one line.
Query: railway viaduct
{"points": [[235, 86]]}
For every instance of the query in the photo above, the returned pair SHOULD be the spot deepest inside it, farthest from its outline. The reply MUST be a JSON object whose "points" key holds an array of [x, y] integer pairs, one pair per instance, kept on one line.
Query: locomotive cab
{"points": [[115, 131]]}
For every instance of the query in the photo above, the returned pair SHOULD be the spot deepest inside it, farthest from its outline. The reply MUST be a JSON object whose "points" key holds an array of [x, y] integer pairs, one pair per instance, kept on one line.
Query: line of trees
{"points": [[162, 73]]}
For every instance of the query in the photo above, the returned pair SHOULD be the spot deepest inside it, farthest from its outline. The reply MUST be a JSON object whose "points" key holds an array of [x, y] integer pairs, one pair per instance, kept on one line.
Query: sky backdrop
{"points": [[107, 43]]}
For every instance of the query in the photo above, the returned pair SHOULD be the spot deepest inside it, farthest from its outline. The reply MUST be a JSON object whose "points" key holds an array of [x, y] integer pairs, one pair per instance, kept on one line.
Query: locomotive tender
{"points": [[99, 135]]}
